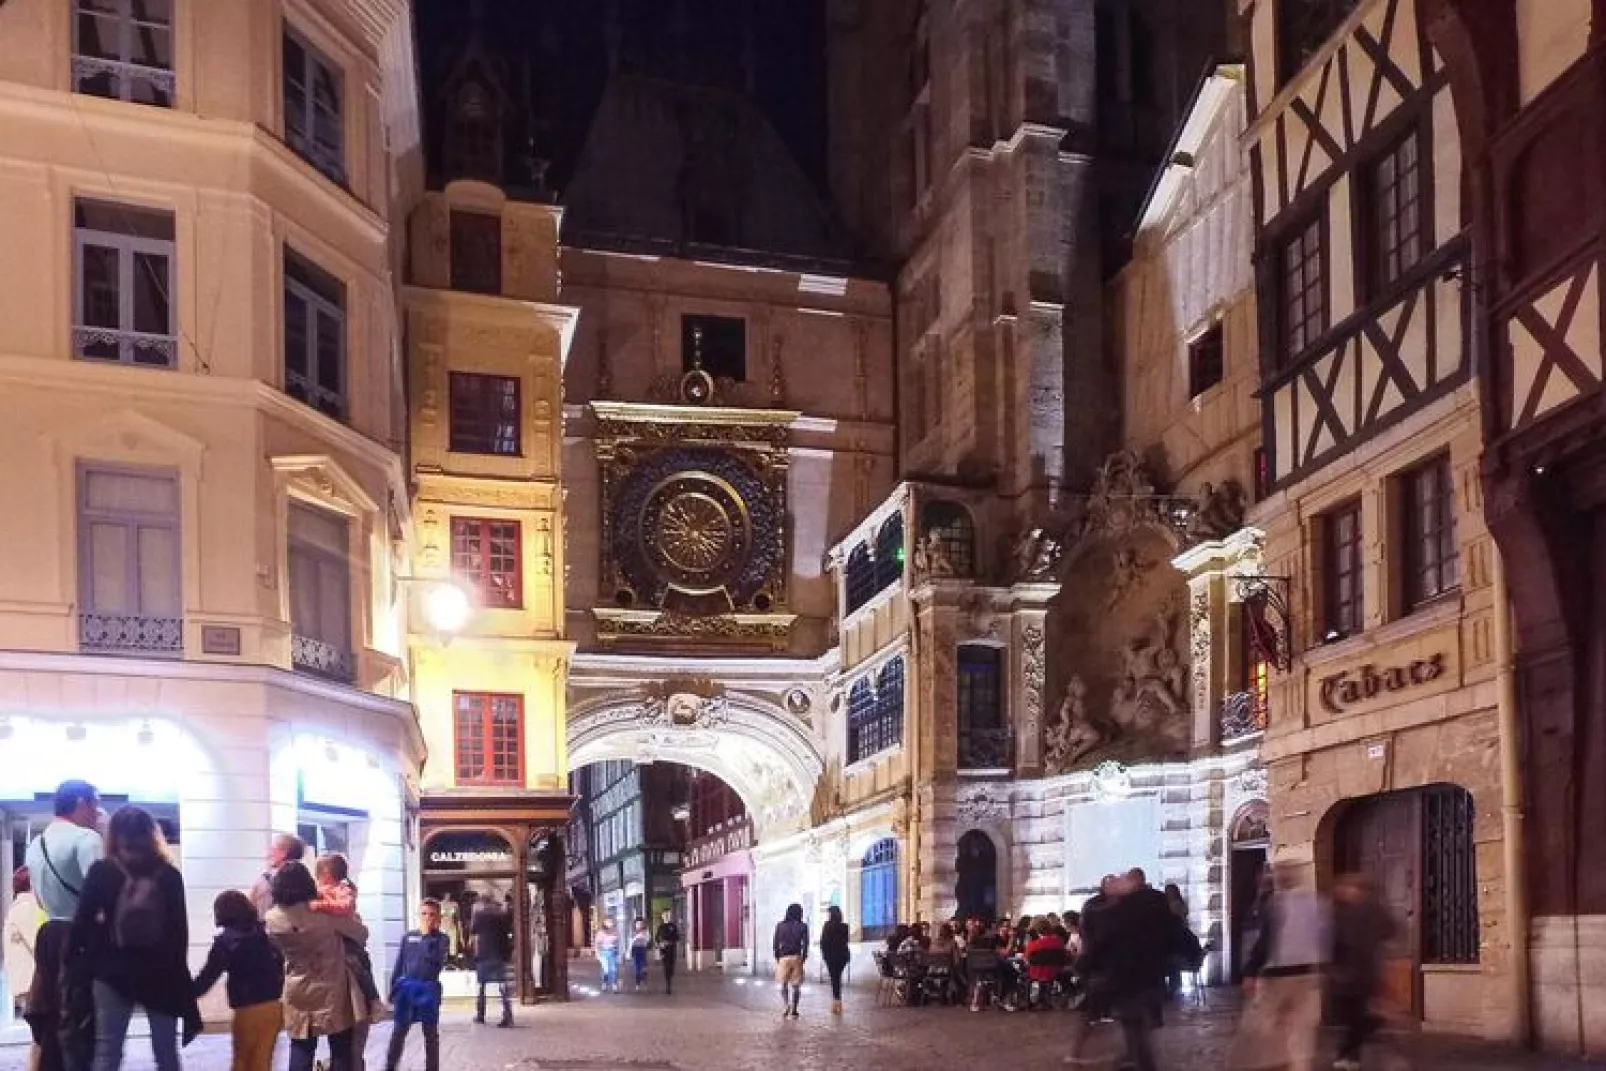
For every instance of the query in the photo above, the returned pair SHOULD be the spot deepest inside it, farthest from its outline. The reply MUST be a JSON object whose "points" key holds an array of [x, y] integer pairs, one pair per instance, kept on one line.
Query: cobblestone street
{"points": [[722, 1025]]}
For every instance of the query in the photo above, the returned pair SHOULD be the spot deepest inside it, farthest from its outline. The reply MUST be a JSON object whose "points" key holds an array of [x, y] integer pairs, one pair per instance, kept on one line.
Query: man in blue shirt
{"points": [[415, 987], [60, 857]]}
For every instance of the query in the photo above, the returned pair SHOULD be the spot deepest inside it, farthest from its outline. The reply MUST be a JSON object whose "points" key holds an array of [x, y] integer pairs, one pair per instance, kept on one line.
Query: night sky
{"points": [[554, 57]]}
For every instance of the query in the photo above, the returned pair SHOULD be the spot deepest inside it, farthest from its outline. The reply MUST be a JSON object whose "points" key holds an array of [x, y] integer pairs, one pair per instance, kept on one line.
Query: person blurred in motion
{"points": [[640, 949], [606, 946], [668, 941], [1362, 928], [492, 927], [255, 968], [21, 935], [1283, 977]]}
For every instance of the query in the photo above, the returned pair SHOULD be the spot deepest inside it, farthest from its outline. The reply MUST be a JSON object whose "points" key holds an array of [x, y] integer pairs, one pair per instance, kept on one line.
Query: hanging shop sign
{"points": [[736, 836], [468, 850], [1340, 691]]}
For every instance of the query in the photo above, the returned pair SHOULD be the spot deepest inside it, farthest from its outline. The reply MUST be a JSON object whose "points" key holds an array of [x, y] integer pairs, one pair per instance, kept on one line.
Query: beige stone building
{"points": [[488, 341], [201, 414], [1384, 746]]}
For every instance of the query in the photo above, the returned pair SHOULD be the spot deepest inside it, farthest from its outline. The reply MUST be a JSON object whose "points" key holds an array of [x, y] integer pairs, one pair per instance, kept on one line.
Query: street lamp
{"points": [[447, 608]]}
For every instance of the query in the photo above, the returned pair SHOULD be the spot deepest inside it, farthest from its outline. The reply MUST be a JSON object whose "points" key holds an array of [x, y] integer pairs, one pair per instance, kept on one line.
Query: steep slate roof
{"points": [[668, 166]]}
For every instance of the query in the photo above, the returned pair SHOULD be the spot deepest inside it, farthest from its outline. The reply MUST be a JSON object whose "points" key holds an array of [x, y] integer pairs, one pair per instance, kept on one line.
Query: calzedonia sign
{"points": [[737, 836], [1368, 682]]}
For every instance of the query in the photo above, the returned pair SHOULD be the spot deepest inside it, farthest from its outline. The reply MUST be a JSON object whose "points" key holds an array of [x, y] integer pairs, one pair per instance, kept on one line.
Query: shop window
{"points": [[1303, 27], [1302, 264], [488, 734], [889, 552], [860, 580], [320, 592], [476, 252], [950, 526], [1393, 188], [129, 592], [123, 292], [1343, 601], [323, 836], [487, 559], [313, 107], [1449, 877], [123, 50], [715, 344], [1207, 361], [984, 741], [484, 414], [878, 890], [1431, 559], [314, 336]]}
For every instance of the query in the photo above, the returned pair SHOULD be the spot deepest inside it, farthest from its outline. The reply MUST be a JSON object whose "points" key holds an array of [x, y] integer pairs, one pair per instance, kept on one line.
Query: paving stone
{"points": [[717, 1024]]}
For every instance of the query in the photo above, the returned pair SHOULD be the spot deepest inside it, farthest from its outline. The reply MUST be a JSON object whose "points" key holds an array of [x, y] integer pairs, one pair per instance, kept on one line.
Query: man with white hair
{"points": [[284, 848]]}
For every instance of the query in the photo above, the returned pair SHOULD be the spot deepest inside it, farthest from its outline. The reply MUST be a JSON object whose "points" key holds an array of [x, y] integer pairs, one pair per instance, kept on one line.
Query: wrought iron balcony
{"points": [[1242, 717], [130, 634], [125, 347], [321, 659], [123, 80], [986, 749]]}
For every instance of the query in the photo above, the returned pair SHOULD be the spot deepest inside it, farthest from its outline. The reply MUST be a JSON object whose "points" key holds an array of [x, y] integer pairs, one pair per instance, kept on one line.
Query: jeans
{"points": [[638, 958], [669, 970], [430, 1025], [1138, 1020], [610, 967], [507, 1001], [835, 971], [112, 1012], [304, 1050], [1353, 1012]]}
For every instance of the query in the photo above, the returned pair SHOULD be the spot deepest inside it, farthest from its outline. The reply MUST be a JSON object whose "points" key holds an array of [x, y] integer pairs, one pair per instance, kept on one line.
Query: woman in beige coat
{"points": [[321, 999]]}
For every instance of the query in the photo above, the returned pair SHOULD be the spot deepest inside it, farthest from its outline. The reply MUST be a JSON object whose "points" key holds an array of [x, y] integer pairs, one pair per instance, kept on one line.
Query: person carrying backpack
{"points": [[132, 936]]}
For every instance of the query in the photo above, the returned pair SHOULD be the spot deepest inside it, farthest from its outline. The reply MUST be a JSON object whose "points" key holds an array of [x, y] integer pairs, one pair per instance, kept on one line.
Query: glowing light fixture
{"points": [[447, 608]]}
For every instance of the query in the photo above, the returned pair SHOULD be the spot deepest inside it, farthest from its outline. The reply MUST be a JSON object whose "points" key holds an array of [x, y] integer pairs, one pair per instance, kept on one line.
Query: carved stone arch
{"points": [[323, 481], [1251, 825]]}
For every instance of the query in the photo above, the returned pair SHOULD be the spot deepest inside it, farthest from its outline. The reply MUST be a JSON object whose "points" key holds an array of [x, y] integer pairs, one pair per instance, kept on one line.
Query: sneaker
{"points": [[1346, 1064], [506, 1022]]}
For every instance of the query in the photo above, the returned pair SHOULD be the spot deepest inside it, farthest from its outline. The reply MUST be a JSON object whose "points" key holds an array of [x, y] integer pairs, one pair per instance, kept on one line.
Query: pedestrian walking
{"points": [[791, 948], [835, 952], [492, 928], [1179, 907], [283, 848], [415, 987], [255, 968], [1362, 928], [61, 1005], [640, 946], [1283, 978], [21, 936], [606, 946], [668, 941], [132, 932], [321, 998]]}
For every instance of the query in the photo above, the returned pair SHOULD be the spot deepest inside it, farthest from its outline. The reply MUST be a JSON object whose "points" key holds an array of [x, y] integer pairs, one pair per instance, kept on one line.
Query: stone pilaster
{"points": [[1029, 701]]}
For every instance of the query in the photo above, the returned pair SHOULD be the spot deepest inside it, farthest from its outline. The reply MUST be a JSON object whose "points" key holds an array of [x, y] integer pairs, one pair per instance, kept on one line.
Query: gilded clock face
{"points": [[695, 531]]}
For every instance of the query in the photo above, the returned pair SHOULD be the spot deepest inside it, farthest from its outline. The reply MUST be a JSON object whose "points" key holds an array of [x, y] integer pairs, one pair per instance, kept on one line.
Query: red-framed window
{"points": [[488, 734], [486, 558]]}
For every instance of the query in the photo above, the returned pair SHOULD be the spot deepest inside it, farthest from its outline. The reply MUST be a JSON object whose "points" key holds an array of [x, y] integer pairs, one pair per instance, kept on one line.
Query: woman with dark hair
{"points": [[321, 995], [131, 936], [834, 951]]}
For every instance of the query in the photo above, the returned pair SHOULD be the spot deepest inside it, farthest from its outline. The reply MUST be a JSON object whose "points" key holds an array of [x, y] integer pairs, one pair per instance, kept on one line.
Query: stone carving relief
{"points": [[1034, 556], [1252, 782], [982, 803], [775, 798], [930, 559], [1151, 699], [1199, 649], [1033, 677], [1071, 736], [1112, 781], [1128, 570], [1217, 513]]}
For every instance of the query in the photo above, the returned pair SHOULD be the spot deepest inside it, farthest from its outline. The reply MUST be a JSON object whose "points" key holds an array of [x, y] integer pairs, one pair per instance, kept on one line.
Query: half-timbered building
{"points": [[1529, 78], [1384, 736]]}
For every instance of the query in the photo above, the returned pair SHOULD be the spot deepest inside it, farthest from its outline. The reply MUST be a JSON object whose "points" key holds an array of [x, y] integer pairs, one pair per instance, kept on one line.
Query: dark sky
{"points": [[555, 55]]}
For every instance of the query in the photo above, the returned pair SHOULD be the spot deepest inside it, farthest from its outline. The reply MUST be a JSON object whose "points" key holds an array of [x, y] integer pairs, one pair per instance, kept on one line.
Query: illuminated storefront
{"points": [[718, 879]]}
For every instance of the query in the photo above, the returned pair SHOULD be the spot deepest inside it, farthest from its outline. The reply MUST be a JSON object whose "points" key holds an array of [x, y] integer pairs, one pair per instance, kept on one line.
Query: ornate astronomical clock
{"points": [[694, 545]]}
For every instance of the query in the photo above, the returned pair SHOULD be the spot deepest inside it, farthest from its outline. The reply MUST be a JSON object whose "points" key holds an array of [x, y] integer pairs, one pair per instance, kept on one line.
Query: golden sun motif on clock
{"points": [[694, 531]]}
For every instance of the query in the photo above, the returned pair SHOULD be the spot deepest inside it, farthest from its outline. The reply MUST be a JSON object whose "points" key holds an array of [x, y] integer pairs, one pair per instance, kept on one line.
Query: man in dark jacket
{"points": [[668, 941], [1130, 949], [415, 987], [791, 948], [1362, 927], [493, 950]]}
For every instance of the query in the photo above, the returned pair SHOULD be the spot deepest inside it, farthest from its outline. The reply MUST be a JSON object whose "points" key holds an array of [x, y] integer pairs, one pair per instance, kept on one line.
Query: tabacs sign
{"points": [[1342, 690]]}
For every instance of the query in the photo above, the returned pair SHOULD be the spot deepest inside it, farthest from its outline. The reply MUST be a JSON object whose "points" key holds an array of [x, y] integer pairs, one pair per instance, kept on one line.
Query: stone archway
{"points": [[759, 749]]}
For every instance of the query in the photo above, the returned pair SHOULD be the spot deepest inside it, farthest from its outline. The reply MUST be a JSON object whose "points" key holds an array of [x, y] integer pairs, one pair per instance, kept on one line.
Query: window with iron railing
{"points": [[1449, 877], [889, 552], [123, 294], [984, 738], [314, 336], [129, 590], [484, 414], [320, 593], [313, 106], [954, 532], [123, 49]]}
